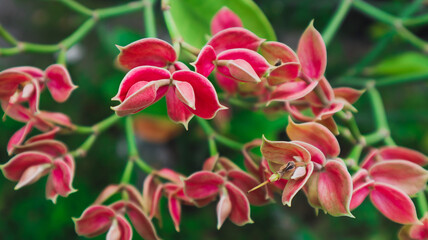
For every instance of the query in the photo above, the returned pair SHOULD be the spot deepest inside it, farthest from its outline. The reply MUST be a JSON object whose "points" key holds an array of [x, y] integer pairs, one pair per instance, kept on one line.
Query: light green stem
{"points": [[77, 7], [422, 203], [336, 21], [149, 18]]}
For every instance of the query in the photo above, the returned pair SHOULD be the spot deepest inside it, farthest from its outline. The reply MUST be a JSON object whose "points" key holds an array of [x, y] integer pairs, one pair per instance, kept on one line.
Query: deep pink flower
{"points": [[330, 186], [415, 231], [38, 157], [390, 182], [187, 93], [98, 219], [223, 19]]}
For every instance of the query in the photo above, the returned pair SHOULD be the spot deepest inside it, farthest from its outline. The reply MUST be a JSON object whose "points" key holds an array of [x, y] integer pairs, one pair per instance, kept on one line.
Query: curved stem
{"points": [[422, 203], [7, 36], [75, 6], [354, 156], [175, 35], [149, 18], [336, 21], [349, 119]]}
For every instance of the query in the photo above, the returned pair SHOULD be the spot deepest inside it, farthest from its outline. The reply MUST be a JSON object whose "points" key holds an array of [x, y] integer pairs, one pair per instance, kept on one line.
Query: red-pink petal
{"points": [[154, 211], [170, 175], [240, 214], [360, 193], [223, 19], [16, 111], [316, 135], [210, 163], [177, 110], [52, 148], [34, 95], [349, 94], [281, 152], [257, 62], [204, 64], [388, 153], [226, 83], [206, 101], [119, 230], [393, 203], [404, 175], [56, 118], [59, 181], [147, 51], [149, 189], [141, 222], [294, 185], [227, 164], [335, 189], [249, 163], [32, 71], [240, 70], [291, 91], [10, 81], [145, 74], [322, 113], [16, 166], [109, 191], [18, 137], [223, 209], [185, 92], [420, 231], [94, 221], [371, 158], [174, 208], [316, 155], [312, 53], [235, 37], [360, 178], [278, 53], [59, 82], [311, 190], [326, 88], [32, 174], [245, 182], [44, 136], [284, 73], [202, 184]]}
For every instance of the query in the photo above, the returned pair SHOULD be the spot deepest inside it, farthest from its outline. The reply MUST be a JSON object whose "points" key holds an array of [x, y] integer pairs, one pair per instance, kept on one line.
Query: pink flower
{"points": [[223, 19], [330, 185], [390, 182], [98, 219], [187, 93], [39, 156], [24, 84], [415, 231]]}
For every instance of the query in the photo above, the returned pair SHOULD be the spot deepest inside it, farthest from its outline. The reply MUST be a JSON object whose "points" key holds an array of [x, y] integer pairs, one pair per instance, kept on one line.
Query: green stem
{"points": [[422, 203], [336, 21], [377, 136], [228, 142], [391, 20], [143, 165], [78, 34], [416, 21], [126, 177], [386, 81], [84, 148], [62, 57], [77, 7], [7, 36], [98, 127], [149, 18], [119, 10], [354, 156], [349, 119], [175, 35]]}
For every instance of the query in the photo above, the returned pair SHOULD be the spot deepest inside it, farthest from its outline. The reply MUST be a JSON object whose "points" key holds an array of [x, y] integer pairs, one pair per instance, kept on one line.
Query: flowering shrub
{"points": [[234, 66]]}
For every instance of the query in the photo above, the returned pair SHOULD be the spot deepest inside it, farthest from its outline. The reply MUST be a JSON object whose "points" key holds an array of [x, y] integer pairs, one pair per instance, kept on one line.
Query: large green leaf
{"points": [[193, 18], [405, 63]]}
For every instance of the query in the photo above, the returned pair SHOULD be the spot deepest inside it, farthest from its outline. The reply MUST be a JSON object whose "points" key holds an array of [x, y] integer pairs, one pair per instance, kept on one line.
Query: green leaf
{"points": [[193, 18], [405, 63]]}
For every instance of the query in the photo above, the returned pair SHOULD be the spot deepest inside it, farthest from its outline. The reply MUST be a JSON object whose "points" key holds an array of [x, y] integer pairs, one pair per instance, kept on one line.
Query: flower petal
{"points": [[241, 71], [371, 158], [278, 53], [249, 163], [245, 182], [316, 155], [59, 181], [109, 191], [210, 163], [360, 193], [141, 222], [59, 82], [202, 184], [404, 175], [360, 178], [316, 135], [284, 73], [420, 231], [32, 174], [226, 83], [223, 209], [147, 51], [234, 37], [10, 81], [44, 136], [52, 148], [15, 167], [174, 208], [204, 64], [169, 175], [349, 94], [223, 19], [94, 221], [291, 91], [119, 230], [281, 152], [18, 137], [257, 62], [185, 93], [177, 110], [312, 53], [393, 204], [56, 118], [16, 112], [240, 214], [335, 189], [388, 153], [294, 185], [206, 100]]}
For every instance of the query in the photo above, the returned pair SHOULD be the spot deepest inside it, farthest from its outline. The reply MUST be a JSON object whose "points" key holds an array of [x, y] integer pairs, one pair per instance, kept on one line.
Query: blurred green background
{"points": [[25, 214]]}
